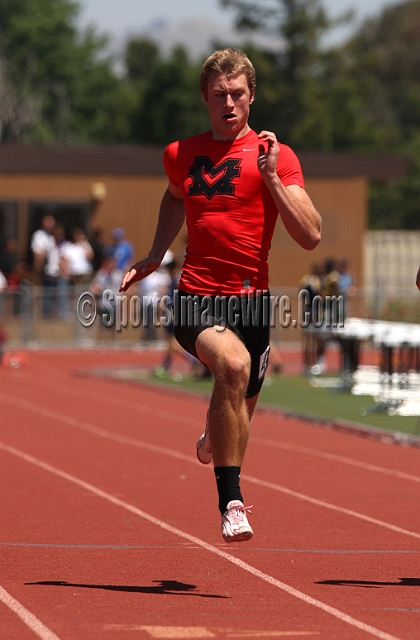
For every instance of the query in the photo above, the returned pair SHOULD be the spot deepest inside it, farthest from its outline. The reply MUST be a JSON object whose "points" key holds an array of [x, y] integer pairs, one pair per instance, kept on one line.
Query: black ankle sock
{"points": [[227, 479]]}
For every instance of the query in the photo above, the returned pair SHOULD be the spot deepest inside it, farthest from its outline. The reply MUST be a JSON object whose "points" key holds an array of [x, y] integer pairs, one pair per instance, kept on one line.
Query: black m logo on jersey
{"points": [[210, 180]]}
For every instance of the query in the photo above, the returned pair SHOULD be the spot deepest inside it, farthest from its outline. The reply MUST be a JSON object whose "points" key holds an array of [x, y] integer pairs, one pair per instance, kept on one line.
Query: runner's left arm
{"points": [[299, 216]]}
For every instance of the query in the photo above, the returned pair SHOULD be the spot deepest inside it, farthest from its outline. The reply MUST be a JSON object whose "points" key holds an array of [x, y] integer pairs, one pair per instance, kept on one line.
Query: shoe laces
{"points": [[237, 512]]}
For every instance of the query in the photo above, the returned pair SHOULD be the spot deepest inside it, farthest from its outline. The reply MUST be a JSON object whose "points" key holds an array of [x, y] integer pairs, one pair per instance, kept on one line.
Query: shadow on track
{"points": [[163, 587], [371, 584]]}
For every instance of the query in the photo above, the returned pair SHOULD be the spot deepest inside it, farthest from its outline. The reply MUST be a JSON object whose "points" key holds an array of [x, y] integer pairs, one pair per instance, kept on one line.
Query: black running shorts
{"points": [[247, 316]]}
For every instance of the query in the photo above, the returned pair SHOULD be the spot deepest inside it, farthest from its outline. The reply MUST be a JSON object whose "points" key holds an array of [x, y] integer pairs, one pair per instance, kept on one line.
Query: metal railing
{"points": [[34, 315]]}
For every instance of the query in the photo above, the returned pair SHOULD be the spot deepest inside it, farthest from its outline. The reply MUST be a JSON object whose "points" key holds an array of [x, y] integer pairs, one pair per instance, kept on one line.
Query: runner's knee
{"points": [[235, 369]]}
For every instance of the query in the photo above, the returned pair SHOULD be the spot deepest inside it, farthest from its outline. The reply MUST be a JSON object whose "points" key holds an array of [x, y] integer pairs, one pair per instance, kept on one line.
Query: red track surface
{"points": [[110, 528]]}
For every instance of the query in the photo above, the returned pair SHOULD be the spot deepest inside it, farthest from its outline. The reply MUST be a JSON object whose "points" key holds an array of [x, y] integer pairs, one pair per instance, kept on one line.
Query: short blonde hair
{"points": [[230, 61]]}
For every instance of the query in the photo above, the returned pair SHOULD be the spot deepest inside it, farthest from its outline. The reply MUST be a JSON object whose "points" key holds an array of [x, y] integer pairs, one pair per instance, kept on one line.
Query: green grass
{"points": [[295, 393]]}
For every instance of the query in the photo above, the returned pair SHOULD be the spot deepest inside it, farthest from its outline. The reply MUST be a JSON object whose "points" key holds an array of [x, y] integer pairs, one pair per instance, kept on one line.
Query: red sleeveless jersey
{"points": [[230, 213]]}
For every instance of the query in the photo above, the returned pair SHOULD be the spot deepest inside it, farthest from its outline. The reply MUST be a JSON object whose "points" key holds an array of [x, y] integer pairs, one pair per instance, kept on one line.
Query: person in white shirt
{"points": [[43, 247], [55, 267], [76, 258], [42, 243], [3, 283]]}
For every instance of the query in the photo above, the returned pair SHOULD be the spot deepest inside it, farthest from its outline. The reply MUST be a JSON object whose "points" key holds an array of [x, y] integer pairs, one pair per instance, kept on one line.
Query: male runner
{"points": [[231, 184]]}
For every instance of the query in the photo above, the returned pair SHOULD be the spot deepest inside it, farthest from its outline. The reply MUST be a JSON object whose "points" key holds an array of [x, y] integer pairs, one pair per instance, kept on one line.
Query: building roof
{"points": [[336, 165], [53, 159], [144, 160]]}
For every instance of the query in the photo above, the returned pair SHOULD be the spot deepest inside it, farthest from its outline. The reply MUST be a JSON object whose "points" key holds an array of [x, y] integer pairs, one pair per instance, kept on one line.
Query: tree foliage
{"points": [[169, 104], [298, 108], [387, 49], [141, 57], [383, 60], [54, 85]]}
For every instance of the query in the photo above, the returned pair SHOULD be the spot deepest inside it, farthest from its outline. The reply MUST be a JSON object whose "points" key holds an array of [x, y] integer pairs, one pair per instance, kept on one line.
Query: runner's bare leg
{"points": [[229, 412]]}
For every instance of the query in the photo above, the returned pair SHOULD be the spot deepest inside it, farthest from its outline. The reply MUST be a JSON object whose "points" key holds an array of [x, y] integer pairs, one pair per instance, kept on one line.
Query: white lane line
{"points": [[334, 457], [97, 431], [27, 617], [103, 433], [329, 505], [141, 407], [148, 410], [336, 613]]}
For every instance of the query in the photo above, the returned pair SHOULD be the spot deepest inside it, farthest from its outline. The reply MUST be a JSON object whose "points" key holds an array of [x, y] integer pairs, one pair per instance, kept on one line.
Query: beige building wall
{"points": [[342, 203], [132, 202]]}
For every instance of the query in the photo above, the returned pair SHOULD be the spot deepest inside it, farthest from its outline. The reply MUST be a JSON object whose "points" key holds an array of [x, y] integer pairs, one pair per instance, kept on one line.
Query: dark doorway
{"points": [[8, 221]]}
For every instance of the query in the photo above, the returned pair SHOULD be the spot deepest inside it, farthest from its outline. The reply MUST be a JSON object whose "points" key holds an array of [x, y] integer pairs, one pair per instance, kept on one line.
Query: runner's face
{"points": [[228, 101]]}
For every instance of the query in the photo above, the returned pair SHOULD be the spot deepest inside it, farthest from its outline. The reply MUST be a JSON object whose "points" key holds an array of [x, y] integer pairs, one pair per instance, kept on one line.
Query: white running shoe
{"points": [[204, 453], [235, 525]]}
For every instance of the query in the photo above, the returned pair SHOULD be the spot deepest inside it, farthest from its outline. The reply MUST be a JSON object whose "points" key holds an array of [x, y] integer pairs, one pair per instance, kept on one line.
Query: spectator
{"points": [[313, 341], [43, 246], [330, 312], [55, 280], [332, 315], [330, 278], [3, 287], [42, 243], [276, 361], [77, 255], [18, 275], [107, 277], [346, 286], [101, 247], [122, 250], [3, 340], [63, 283], [312, 283], [9, 257], [152, 288], [333, 310]]}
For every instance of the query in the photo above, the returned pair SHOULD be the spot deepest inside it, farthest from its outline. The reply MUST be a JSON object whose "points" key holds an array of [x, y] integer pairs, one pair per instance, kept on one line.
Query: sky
{"points": [[198, 24], [123, 17]]}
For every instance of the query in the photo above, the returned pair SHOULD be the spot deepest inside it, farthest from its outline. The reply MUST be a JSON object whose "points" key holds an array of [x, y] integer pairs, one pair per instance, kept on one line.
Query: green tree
{"points": [[56, 83], [141, 57], [383, 60], [387, 51], [290, 80], [169, 103]]}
